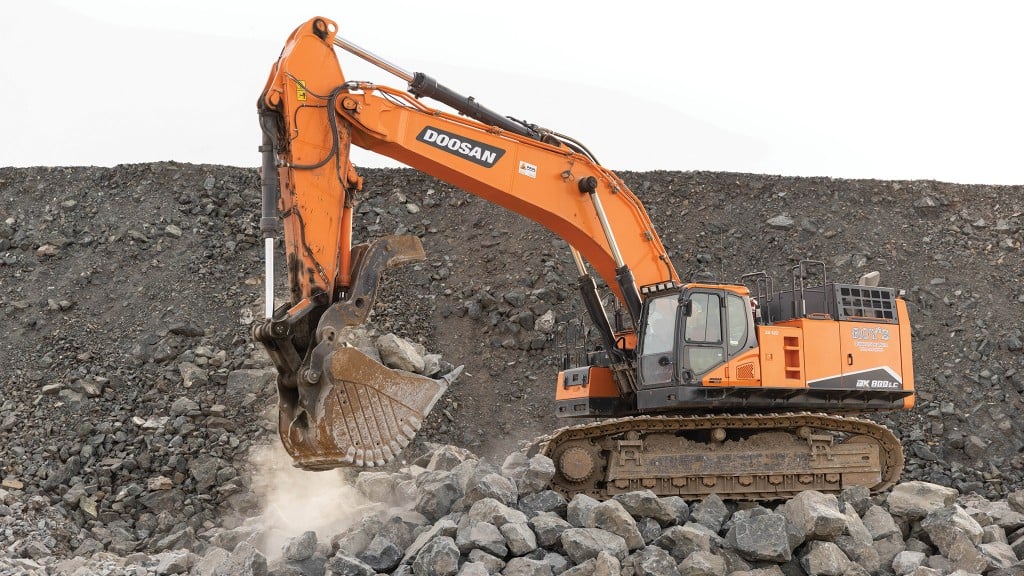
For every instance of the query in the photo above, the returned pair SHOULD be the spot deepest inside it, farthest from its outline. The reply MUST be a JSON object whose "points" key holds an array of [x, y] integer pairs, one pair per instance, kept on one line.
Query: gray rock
{"points": [[939, 563], [519, 537], [439, 490], [527, 567], [681, 541], [184, 406], [473, 569], [679, 508], [399, 353], [480, 535], [342, 565], [447, 458], [711, 512], [443, 527], [580, 511], [821, 558], [781, 222], [581, 544], [769, 571], [649, 529], [301, 547], [211, 560], [514, 465], [543, 501], [557, 562], [184, 538], [440, 557], [949, 525], [399, 529], [376, 486], [175, 562], [760, 538], [192, 375], [204, 470], [887, 549], [907, 562], [999, 513], [603, 565], [998, 555], [611, 516], [537, 475], [549, 528], [879, 523], [917, 499], [228, 539], [857, 496], [1018, 546], [993, 534], [644, 503], [163, 501], [493, 486], [817, 515], [382, 554], [1016, 501], [493, 564], [651, 561], [702, 563], [915, 545], [860, 551], [353, 541], [493, 511], [245, 560], [250, 381], [854, 527]]}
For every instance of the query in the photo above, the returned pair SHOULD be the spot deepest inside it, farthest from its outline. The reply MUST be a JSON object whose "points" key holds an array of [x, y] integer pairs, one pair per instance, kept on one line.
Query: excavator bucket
{"points": [[361, 413]]}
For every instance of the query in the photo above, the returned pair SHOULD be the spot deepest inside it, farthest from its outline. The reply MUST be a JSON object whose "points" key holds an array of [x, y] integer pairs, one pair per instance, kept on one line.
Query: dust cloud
{"points": [[294, 501]]}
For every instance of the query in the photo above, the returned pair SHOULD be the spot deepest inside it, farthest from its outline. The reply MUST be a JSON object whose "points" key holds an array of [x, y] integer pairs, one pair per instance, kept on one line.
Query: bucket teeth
{"points": [[365, 413]]}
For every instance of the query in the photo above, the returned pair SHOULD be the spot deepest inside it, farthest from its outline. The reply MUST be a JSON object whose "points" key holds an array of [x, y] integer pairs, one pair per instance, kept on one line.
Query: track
{"points": [[743, 457]]}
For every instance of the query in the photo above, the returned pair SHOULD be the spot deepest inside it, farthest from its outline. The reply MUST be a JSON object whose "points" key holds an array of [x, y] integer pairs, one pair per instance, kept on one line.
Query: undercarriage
{"points": [[740, 457]]}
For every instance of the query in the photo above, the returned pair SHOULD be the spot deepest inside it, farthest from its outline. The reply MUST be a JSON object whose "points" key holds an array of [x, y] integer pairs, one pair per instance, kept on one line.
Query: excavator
{"points": [[740, 389]]}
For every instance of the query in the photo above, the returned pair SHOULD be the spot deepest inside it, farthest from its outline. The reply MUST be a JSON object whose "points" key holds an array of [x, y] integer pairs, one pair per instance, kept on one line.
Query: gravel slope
{"points": [[132, 393]]}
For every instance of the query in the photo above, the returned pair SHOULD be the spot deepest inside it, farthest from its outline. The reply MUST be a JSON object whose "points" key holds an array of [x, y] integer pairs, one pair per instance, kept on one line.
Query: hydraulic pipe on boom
{"points": [[425, 86]]}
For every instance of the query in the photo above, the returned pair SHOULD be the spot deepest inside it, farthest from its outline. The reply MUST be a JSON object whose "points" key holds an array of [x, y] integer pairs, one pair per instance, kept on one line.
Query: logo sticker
{"points": [[527, 169], [476, 152]]}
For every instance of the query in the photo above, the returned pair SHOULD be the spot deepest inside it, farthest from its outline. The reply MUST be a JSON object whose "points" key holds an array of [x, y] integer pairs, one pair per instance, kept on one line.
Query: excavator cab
{"points": [[690, 333]]}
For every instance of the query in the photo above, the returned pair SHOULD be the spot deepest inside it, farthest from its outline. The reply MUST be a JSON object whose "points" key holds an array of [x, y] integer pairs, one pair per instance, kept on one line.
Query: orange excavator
{"points": [[742, 389]]}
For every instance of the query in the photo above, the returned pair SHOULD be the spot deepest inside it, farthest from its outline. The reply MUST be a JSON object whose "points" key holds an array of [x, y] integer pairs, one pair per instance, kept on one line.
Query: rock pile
{"points": [[132, 394], [450, 513]]}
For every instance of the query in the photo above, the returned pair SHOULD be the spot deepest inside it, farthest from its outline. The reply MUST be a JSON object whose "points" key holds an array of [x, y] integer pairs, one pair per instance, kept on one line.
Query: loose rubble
{"points": [[134, 398], [399, 524]]}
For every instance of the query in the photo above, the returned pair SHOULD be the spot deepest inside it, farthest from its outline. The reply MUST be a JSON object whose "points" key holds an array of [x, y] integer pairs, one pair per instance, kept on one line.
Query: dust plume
{"points": [[294, 501]]}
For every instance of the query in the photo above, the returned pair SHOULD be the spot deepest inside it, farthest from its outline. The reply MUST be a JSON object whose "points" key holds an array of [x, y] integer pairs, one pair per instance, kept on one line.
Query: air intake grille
{"points": [[745, 371], [866, 303]]}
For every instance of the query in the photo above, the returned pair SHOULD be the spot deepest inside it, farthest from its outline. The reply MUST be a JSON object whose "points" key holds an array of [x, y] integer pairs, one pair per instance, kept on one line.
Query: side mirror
{"points": [[687, 305]]}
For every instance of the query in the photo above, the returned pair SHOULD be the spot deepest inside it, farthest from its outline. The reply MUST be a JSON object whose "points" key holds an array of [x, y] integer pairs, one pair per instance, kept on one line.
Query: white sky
{"points": [[858, 89]]}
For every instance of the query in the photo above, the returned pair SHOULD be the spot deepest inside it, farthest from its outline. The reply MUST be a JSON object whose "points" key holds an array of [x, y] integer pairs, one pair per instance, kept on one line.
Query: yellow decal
{"points": [[300, 90]]}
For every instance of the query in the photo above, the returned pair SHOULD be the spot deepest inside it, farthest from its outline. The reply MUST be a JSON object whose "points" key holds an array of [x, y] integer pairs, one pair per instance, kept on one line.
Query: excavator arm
{"points": [[338, 406]]}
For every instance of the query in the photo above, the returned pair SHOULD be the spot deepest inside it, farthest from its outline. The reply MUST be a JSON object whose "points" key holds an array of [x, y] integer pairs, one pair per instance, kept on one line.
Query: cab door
{"points": [[703, 347], [657, 347]]}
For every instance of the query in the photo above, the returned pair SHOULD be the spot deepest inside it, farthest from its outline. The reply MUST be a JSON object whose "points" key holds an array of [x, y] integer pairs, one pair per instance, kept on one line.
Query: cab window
{"points": [[703, 333], [660, 330], [704, 325], [736, 312]]}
